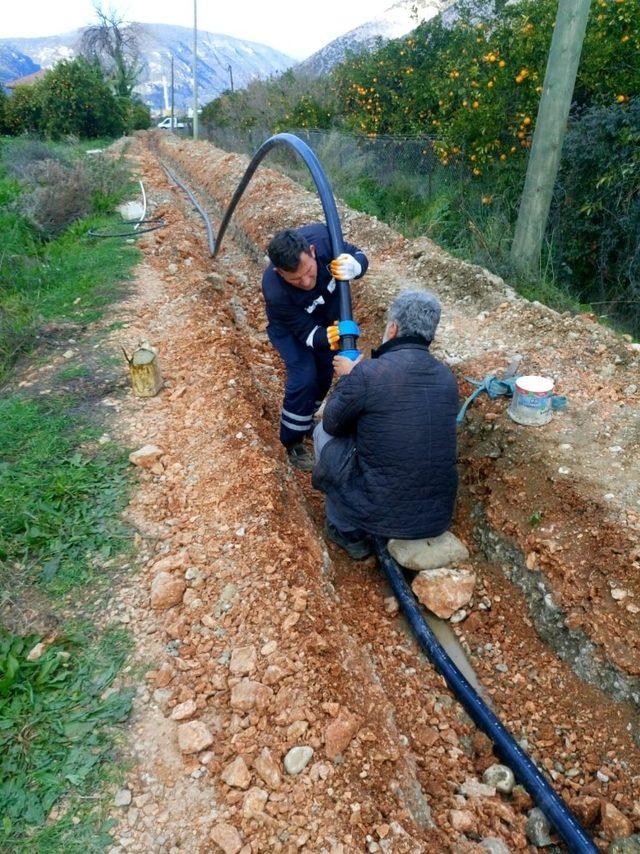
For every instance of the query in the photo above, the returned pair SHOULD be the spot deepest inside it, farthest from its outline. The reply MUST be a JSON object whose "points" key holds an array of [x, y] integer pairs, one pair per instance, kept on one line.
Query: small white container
{"points": [[531, 402]]}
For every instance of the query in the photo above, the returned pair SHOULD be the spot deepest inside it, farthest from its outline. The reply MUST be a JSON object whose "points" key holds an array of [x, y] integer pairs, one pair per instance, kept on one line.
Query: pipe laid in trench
{"points": [[210, 238], [509, 750]]}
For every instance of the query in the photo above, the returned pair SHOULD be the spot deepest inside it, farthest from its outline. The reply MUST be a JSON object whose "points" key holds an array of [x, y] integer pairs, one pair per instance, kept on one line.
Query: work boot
{"points": [[300, 458], [358, 549]]}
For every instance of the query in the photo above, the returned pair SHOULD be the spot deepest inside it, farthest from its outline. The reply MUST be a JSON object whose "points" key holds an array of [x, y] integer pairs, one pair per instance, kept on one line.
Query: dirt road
{"points": [[275, 641]]}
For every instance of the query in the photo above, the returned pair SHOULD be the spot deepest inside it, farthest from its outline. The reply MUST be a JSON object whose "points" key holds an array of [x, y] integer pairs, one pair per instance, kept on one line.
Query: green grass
{"points": [[75, 277], [59, 503], [61, 496], [56, 735], [462, 224]]}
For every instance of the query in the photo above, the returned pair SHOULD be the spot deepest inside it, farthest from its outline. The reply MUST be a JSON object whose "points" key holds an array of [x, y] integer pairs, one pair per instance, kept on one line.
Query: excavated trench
{"points": [[408, 776]]}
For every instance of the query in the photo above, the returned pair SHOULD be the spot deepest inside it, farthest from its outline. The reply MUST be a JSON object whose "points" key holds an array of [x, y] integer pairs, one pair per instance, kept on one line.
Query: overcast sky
{"points": [[295, 28]]}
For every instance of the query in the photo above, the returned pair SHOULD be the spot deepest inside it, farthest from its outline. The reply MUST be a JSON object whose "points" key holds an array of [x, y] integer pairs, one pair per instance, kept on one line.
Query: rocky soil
{"points": [[286, 705]]}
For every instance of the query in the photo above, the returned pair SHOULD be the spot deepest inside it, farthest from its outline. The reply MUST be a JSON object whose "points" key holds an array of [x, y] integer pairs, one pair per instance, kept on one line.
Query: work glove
{"points": [[333, 336], [345, 267]]}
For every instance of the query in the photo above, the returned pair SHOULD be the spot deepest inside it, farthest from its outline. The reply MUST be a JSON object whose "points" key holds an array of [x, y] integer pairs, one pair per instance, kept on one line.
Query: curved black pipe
{"points": [[348, 342], [509, 750]]}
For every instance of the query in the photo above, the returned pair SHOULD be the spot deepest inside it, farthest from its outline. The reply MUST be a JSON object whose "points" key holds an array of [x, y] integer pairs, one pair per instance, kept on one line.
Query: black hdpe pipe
{"points": [[210, 238], [508, 749], [348, 343]]}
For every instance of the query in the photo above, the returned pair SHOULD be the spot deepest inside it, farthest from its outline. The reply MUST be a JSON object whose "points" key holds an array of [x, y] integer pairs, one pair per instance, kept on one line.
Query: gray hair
{"points": [[416, 313]]}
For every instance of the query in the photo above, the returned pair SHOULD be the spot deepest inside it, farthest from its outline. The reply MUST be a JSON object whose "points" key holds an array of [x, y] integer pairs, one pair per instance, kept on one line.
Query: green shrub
{"points": [[138, 116], [23, 112], [595, 224], [76, 100]]}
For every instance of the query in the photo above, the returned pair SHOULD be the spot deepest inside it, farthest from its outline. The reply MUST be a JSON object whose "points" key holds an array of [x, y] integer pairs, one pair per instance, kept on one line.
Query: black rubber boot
{"points": [[300, 457], [358, 549]]}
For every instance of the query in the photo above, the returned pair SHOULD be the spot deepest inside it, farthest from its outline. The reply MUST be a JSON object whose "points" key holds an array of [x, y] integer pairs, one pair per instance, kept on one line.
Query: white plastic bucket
{"points": [[531, 402]]}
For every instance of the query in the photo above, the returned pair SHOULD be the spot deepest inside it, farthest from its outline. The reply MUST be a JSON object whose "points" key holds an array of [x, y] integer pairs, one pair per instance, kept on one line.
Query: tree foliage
{"points": [[71, 99], [76, 100], [475, 85], [598, 207], [23, 112]]}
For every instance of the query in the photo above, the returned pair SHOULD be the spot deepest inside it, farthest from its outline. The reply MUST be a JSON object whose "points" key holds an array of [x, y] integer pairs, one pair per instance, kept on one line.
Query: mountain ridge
{"points": [[216, 52]]}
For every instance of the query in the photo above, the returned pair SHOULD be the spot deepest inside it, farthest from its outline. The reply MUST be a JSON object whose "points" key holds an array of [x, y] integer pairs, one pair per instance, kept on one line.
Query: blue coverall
{"points": [[297, 322]]}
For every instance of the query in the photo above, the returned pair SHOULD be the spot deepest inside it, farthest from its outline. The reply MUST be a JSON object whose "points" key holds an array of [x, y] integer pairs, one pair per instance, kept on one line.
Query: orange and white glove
{"points": [[333, 336], [345, 267]]}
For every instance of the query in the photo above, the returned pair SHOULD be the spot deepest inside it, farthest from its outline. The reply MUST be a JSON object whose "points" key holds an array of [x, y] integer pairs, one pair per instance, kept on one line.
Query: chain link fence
{"points": [[386, 175]]}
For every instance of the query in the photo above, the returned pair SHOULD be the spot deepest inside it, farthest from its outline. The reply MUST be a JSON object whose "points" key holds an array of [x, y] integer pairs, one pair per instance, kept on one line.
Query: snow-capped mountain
{"points": [[248, 60], [394, 22]]}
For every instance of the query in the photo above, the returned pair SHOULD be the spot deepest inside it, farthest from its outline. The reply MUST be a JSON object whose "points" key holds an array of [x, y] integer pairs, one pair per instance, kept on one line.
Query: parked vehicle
{"points": [[166, 123]]}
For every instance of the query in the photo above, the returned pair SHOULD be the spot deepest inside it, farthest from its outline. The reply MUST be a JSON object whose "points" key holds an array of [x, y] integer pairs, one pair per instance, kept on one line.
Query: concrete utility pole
{"points": [[173, 121], [195, 69], [551, 125]]}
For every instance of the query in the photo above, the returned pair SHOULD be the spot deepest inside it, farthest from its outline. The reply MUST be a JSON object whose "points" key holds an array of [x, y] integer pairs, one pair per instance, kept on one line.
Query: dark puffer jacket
{"points": [[391, 471]]}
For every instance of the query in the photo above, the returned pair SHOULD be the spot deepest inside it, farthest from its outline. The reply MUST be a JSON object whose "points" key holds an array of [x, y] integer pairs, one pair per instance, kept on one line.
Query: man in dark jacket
{"points": [[302, 304], [386, 447]]}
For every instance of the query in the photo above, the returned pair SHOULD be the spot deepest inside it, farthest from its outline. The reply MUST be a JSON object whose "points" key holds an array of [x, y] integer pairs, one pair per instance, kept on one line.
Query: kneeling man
{"points": [[386, 447]]}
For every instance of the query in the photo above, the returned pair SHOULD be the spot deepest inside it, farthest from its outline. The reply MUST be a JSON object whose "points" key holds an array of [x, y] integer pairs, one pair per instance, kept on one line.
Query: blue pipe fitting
{"points": [[348, 327]]}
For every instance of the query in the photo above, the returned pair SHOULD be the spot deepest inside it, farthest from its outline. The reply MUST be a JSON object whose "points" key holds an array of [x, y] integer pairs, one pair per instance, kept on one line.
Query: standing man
{"points": [[387, 443], [302, 305]]}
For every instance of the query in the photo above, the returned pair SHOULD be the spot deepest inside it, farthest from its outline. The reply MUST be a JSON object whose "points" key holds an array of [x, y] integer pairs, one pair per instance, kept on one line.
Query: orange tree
{"points": [[76, 100], [23, 109], [474, 85]]}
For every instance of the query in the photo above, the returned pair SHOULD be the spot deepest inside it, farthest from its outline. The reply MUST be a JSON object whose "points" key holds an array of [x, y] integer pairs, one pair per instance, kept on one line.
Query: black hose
{"points": [[205, 216], [348, 342], [157, 223], [509, 750]]}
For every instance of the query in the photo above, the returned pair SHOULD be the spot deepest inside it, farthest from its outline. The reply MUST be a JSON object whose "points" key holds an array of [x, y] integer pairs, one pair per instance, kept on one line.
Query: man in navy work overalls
{"points": [[302, 305]]}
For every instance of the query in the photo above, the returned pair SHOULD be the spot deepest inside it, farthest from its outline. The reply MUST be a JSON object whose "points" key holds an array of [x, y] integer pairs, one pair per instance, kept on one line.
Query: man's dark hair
{"points": [[285, 249]]}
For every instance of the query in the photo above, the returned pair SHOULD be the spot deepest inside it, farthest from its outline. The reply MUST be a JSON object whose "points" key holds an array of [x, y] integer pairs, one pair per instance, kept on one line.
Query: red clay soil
{"points": [[280, 642]]}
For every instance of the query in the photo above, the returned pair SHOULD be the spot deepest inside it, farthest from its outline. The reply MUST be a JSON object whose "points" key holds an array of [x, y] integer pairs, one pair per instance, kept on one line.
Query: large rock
{"points": [[146, 456], [227, 838], [297, 759], [194, 737], [237, 774], [254, 801], [444, 590], [614, 824], [184, 710], [267, 768], [248, 694], [243, 660], [537, 828], [586, 808], [495, 845], [463, 821], [339, 733], [501, 777], [431, 553], [472, 788], [630, 845], [167, 590]]}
